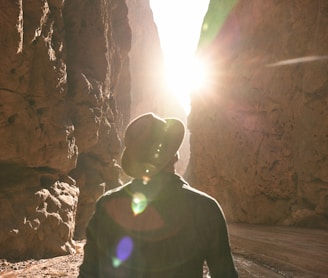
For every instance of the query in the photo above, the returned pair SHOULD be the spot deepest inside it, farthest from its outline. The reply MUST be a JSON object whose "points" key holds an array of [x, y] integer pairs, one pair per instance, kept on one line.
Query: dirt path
{"points": [[259, 251], [265, 251]]}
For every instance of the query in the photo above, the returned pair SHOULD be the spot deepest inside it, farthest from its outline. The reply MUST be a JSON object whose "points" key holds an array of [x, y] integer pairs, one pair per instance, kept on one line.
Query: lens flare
{"points": [[123, 251], [145, 180], [299, 60], [139, 203]]}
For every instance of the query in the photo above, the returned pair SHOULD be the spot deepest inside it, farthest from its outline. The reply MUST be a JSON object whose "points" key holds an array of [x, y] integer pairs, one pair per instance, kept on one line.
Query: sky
{"points": [[179, 24]]}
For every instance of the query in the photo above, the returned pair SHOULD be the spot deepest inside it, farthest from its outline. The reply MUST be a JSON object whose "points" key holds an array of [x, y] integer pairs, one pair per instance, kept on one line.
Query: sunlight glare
{"points": [[179, 25], [184, 77]]}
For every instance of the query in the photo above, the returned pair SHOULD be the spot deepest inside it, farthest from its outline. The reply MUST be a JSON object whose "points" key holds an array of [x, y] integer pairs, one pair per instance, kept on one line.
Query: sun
{"points": [[185, 76]]}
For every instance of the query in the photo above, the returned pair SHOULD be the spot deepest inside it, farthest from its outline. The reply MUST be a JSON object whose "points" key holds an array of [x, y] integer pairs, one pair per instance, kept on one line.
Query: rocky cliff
{"points": [[62, 107], [264, 115]]}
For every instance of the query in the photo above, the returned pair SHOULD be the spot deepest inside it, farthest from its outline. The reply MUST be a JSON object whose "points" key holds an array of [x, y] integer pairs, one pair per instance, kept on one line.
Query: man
{"points": [[156, 225]]}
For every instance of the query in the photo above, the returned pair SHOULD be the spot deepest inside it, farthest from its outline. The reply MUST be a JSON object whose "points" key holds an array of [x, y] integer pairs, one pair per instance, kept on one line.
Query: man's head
{"points": [[151, 143]]}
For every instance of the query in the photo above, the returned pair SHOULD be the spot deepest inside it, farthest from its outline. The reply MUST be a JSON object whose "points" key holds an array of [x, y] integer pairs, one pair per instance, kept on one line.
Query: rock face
{"points": [[98, 39], [265, 123], [148, 91], [62, 64]]}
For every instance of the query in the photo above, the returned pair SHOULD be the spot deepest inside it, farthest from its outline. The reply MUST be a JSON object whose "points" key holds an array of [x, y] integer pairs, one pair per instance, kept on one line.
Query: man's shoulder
{"points": [[199, 195], [204, 204], [113, 192]]}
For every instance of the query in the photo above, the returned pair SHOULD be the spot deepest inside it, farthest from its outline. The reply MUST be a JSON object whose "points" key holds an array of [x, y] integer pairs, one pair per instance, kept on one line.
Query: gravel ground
{"points": [[259, 251]]}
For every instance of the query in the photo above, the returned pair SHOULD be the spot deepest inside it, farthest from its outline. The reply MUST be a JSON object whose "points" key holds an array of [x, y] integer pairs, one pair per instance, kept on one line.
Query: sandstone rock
{"points": [[37, 221], [146, 61], [60, 76], [265, 122], [98, 41]]}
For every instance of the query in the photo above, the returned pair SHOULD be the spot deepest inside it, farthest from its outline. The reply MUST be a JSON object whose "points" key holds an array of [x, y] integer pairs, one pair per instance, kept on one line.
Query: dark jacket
{"points": [[164, 228]]}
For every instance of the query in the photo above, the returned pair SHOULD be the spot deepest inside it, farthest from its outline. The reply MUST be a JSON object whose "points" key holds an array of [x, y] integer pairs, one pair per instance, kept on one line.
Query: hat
{"points": [[150, 143]]}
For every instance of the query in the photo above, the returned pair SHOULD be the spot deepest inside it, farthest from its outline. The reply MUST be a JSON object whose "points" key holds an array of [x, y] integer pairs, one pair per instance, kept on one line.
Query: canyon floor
{"points": [[271, 251], [259, 251]]}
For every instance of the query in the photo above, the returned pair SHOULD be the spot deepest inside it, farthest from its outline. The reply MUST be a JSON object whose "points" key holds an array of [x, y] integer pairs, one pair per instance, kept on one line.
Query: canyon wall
{"points": [[146, 61], [263, 114], [259, 131], [63, 105]]}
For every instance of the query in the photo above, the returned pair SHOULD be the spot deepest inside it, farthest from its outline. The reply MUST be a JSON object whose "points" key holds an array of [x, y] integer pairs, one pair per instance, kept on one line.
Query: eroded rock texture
{"points": [[60, 76], [98, 39], [265, 124]]}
